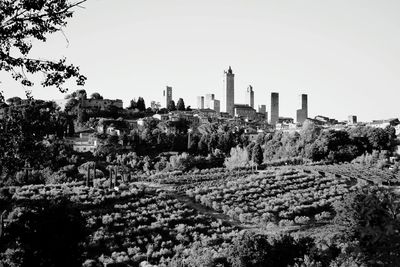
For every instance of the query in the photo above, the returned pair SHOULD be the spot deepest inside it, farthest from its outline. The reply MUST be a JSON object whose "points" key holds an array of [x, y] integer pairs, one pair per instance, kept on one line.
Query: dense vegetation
{"points": [[136, 224], [286, 197]]}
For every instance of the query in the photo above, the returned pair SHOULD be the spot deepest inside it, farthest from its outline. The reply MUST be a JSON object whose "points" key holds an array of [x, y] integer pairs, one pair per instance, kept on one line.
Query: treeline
{"points": [[312, 143], [156, 136], [31, 141]]}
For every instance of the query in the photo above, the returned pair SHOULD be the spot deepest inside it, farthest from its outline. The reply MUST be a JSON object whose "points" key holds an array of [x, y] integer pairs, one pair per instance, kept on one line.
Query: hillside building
{"points": [[86, 142], [91, 105], [215, 105], [352, 119], [244, 111]]}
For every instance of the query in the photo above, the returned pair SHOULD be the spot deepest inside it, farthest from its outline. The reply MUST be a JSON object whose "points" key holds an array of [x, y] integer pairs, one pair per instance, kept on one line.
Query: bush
{"points": [[301, 219], [325, 215], [285, 222]]}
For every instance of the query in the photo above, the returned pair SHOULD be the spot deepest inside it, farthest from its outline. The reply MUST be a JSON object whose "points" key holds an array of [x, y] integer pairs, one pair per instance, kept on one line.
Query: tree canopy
{"points": [[180, 105], [21, 22], [369, 221], [96, 96], [171, 105], [141, 106]]}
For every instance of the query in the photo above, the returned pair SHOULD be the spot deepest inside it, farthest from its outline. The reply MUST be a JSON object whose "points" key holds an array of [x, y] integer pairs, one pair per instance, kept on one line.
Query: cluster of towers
{"points": [[228, 101], [208, 102], [229, 96]]}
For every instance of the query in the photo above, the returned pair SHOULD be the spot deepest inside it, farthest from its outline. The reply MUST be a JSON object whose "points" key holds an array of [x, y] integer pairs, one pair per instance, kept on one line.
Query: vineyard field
{"points": [[134, 224], [286, 197]]}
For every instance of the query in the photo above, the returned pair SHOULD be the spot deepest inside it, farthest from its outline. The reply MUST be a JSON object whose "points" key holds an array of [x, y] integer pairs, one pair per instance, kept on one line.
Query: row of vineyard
{"points": [[359, 171], [132, 224], [285, 197], [198, 176]]}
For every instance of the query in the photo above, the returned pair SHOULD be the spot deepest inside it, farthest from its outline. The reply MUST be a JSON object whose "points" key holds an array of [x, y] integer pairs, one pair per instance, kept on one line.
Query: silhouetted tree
{"points": [[180, 105], [257, 155], [133, 104], [171, 106], [24, 21], [141, 106], [44, 234], [96, 96]]}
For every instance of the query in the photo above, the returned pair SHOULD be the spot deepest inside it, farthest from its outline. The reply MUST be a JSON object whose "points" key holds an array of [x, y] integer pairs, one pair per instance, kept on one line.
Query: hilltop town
{"points": [[92, 116], [89, 181]]}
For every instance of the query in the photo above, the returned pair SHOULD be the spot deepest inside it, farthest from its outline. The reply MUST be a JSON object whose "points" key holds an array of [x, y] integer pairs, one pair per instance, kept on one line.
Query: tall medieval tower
{"points": [[167, 95], [229, 91], [274, 108], [250, 96], [302, 114]]}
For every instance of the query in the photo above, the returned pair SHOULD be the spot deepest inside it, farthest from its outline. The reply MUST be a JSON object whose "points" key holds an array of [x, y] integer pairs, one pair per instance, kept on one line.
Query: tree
{"points": [[257, 155], [22, 21], [369, 221], [14, 100], [46, 233], [180, 105], [171, 106], [141, 106], [239, 158], [22, 131], [133, 104], [251, 249], [71, 103], [96, 96], [249, 149]]}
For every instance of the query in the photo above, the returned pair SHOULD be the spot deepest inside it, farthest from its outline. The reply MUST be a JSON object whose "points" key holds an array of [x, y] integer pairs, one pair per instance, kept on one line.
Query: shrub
{"points": [[285, 222], [301, 219]]}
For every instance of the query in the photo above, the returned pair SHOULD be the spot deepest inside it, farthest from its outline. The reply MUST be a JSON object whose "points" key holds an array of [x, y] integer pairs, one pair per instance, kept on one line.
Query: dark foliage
{"points": [[24, 20], [370, 223], [43, 234]]}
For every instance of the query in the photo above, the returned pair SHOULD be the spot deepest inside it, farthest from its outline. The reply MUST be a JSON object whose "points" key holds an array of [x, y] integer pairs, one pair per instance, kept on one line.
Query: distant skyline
{"points": [[344, 54]]}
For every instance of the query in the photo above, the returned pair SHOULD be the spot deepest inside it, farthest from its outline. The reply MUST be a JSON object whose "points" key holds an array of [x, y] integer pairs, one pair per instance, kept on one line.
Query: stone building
{"points": [[244, 111], [352, 119], [215, 105]]}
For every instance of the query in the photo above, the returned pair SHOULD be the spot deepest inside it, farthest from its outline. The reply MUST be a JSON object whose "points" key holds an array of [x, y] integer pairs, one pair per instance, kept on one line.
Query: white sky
{"points": [[345, 54]]}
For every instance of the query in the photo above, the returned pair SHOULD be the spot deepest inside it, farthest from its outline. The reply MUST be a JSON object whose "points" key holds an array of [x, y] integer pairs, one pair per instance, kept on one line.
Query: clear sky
{"points": [[345, 54]]}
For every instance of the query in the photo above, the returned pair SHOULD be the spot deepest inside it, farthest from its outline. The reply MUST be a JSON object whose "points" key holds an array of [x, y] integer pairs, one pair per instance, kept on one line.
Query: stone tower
{"points": [[167, 95], [302, 114], [200, 102], [229, 91], [250, 96], [274, 108], [208, 99]]}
